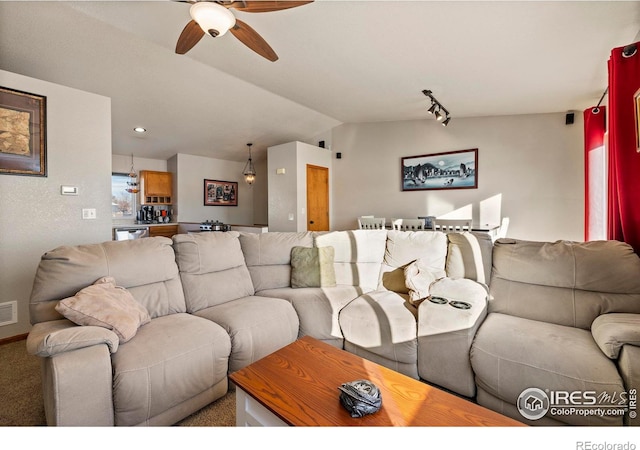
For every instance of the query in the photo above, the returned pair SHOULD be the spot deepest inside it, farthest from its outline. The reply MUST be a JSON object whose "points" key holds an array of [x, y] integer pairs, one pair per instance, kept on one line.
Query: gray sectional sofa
{"points": [[515, 315]]}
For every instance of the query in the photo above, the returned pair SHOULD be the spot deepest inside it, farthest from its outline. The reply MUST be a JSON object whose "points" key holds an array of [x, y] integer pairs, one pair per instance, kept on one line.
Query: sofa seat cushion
{"points": [[317, 308], [383, 323], [257, 326], [510, 354], [445, 334], [170, 360]]}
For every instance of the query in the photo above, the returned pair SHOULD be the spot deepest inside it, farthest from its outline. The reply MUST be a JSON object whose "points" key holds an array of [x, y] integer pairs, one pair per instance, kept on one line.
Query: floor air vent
{"points": [[8, 313]]}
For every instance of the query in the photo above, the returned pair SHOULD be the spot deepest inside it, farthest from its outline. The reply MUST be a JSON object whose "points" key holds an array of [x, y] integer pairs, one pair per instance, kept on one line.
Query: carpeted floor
{"points": [[21, 394]]}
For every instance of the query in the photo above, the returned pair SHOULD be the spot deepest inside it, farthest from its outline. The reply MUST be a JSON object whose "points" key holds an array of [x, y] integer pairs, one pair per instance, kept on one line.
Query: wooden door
{"points": [[317, 198]]}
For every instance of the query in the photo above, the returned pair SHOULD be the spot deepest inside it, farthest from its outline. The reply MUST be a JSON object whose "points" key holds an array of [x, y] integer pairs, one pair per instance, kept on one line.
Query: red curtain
{"points": [[624, 158], [595, 174]]}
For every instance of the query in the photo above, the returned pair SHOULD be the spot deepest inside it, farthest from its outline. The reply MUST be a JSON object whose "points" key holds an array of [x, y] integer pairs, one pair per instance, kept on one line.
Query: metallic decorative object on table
{"points": [[360, 397]]}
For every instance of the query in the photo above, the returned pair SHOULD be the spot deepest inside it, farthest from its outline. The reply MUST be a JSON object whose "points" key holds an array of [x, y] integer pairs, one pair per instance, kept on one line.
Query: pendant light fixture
{"points": [[132, 183], [249, 171]]}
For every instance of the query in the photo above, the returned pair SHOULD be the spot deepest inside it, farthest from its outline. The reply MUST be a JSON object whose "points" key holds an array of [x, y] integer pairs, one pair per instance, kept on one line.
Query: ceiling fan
{"points": [[215, 18]]}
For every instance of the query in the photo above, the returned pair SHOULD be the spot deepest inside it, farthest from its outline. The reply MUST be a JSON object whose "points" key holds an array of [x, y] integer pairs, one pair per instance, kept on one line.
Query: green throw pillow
{"points": [[312, 267]]}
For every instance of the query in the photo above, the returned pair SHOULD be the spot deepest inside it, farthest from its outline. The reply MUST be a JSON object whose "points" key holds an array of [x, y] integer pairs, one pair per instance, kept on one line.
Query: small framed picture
{"points": [[448, 170], [220, 193], [22, 133]]}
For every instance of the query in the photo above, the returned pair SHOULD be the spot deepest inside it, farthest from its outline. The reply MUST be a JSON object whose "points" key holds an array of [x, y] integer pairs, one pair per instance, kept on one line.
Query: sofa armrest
{"points": [[612, 331], [59, 336]]}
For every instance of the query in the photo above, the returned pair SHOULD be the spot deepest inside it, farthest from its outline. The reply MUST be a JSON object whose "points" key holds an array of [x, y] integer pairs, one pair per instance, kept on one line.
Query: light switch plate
{"points": [[88, 213]]}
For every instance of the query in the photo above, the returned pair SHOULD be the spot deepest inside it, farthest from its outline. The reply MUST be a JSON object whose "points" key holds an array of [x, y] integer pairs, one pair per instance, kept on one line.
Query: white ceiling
{"points": [[340, 61]]}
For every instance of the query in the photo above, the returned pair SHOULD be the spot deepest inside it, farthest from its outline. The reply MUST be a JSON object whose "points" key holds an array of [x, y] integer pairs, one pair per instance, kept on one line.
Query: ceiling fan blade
{"points": [[266, 6], [249, 37], [189, 37]]}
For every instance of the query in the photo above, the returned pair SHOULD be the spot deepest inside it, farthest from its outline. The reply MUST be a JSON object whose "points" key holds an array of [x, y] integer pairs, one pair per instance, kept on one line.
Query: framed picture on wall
{"points": [[448, 170], [22, 133], [220, 193]]}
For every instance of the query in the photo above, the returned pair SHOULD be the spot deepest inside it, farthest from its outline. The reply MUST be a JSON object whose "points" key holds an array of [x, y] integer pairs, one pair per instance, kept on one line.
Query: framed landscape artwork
{"points": [[220, 193], [448, 170], [22, 133]]}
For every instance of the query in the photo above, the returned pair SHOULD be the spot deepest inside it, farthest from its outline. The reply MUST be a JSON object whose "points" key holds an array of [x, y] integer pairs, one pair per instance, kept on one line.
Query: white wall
{"points": [[189, 175], [530, 168], [288, 191], [34, 216]]}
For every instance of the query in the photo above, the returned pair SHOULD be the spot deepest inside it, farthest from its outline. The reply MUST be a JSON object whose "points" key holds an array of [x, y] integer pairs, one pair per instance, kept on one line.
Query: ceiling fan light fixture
{"points": [[214, 19]]}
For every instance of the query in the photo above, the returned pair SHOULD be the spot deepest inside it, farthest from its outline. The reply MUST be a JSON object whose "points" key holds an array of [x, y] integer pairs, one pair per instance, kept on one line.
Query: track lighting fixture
{"points": [[440, 112]]}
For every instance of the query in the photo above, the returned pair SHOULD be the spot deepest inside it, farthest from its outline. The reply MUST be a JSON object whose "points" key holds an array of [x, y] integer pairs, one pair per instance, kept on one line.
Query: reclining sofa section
{"points": [[219, 301]]}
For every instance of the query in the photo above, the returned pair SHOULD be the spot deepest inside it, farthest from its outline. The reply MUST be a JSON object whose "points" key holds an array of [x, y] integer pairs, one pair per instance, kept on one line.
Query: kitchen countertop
{"points": [[132, 225]]}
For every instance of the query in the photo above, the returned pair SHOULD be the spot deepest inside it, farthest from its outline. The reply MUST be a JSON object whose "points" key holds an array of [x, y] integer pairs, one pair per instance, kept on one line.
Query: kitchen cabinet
{"points": [[163, 230], [156, 188]]}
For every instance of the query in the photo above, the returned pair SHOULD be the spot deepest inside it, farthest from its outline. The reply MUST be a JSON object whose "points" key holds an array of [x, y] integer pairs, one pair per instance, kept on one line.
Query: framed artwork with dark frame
{"points": [[23, 141], [448, 170], [220, 193]]}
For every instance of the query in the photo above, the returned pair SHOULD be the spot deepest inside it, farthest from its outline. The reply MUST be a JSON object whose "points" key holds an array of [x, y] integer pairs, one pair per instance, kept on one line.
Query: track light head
{"points": [[440, 112]]}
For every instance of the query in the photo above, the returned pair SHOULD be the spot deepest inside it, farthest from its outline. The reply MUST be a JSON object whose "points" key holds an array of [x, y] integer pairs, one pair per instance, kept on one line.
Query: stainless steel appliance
{"points": [[126, 233], [208, 225]]}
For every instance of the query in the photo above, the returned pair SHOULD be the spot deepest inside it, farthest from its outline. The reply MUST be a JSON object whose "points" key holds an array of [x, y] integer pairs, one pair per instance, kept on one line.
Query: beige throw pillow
{"points": [[418, 277], [312, 267], [103, 304]]}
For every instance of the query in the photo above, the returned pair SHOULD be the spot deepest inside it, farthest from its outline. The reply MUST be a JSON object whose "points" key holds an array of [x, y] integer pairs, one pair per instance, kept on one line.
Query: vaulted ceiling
{"points": [[339, 61]]}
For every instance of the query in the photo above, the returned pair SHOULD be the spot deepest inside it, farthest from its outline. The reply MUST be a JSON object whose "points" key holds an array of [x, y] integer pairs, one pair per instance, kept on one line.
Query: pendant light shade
{"points": [[249, 171], [132, 183]]}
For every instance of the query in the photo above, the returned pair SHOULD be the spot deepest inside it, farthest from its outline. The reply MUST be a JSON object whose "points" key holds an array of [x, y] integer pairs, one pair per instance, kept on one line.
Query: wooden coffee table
{"points": [[298, 385]]}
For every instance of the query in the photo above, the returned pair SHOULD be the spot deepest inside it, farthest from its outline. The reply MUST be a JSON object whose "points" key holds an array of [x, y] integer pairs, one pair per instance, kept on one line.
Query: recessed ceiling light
{"points": [[140, 130]]}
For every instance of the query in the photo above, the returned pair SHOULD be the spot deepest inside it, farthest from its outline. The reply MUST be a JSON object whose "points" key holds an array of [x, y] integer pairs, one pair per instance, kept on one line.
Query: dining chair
{"points": [[371, 223], [502, 230], [452, 225], [408, 224]]}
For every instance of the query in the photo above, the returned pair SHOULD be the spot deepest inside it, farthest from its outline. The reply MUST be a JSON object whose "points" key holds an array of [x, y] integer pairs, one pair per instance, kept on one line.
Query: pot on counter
{"points": [[214, 226]]}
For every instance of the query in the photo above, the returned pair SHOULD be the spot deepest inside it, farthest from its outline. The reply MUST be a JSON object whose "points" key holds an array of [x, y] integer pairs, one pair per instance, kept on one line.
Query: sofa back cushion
{"points": [[563, 282], [212, 268], [268, 256], [469, 256], [405, 247], [358, 255], [145, 267]]}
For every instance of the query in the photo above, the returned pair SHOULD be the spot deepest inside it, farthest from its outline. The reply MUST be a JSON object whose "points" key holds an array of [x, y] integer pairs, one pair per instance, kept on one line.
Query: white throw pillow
{"points": [[104, 304], [419, 276]]}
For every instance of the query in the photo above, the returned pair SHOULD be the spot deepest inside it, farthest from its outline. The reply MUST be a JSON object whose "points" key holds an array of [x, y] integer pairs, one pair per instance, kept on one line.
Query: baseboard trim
{"points": [[11, 339]]}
